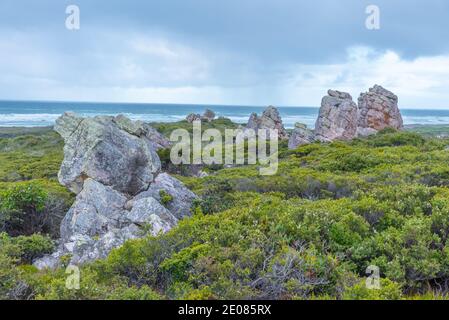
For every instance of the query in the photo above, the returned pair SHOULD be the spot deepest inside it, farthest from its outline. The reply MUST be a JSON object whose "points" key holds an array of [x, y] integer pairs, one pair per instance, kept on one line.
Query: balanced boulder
{"points": [[100, 149], [337, 119]]}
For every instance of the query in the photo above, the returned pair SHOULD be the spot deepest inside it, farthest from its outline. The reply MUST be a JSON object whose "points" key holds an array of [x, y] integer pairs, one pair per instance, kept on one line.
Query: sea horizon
{"points": [[35, 113]]}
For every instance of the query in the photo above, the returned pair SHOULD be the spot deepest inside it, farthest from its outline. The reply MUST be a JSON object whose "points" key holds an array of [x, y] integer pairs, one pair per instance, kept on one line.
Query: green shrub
{"points": [[34, 246], [36, 206], [308, 232], [388, 291], [22, 205], [166, 198]]}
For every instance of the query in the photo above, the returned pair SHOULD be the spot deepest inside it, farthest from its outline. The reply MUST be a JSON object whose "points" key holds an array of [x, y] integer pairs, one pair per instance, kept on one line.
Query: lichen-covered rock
{"points": [[148, 211], [86, 249], [142, 129], [337, 119], [107, 152], [49, 261], [301, 135], [181, 197], [157, 140], [96, 208], [378, 109], [112, 159], [270, 119], [208, 115]]}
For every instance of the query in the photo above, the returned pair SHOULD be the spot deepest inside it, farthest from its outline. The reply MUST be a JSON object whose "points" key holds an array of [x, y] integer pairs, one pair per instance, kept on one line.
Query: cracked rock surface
{"points": [[337, 119], [378, 109]]}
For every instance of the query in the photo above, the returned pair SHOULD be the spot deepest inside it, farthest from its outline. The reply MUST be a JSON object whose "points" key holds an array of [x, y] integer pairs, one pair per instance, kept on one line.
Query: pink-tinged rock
{"points": [[337, 119], [270, 119], [378, 109]]}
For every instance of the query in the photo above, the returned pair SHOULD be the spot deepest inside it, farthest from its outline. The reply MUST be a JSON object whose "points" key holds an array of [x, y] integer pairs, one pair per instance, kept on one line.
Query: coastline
{"points": [[436, 130], [42, 114]]}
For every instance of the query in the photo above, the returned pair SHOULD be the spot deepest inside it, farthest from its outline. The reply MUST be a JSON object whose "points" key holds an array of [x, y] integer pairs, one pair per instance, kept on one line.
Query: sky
{"points": [[233, 52]]}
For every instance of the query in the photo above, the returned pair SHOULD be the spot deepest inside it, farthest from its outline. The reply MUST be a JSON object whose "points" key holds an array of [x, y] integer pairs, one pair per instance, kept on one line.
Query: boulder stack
{"points": [[378, 109], [270, 119], [111, 164], [337, 119], [341, 119], [193, 117]]}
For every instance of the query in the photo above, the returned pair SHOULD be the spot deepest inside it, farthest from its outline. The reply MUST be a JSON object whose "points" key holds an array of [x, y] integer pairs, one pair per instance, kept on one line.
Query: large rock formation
{"points": [[378, 109], [337, 119], [140, 128], [208, 115], [103, 146], [182, 198], [193, 117], [340, 119], [270, 119], [301, 135], [112, 166]]}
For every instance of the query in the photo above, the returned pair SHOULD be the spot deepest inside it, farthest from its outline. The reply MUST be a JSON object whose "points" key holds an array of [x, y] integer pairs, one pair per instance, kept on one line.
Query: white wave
{"points": [[47, 119], [35, 117], [27, 119], [425, 120]]}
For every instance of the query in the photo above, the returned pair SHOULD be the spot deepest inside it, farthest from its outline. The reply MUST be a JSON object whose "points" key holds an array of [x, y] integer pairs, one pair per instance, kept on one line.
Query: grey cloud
{"points": [[240, 45]]}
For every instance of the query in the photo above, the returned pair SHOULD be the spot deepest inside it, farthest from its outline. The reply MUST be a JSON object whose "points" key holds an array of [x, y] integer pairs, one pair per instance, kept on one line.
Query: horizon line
{"points": [[191, 104]]}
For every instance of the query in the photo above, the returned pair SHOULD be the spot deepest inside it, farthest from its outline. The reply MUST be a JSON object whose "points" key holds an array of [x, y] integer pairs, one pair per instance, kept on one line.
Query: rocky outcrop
{"points": [[341, 119], [193, 117], [270, 119], [148, 211], [301, 135], [378, 109], [253, 121], [337, 119], [208, 115], [112, 166], [140, 128], [108, 151], [182, 197], [97, 207]]}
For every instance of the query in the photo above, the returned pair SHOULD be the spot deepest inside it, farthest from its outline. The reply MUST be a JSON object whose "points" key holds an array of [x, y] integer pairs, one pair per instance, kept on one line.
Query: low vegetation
{"points": [[309, 232]]}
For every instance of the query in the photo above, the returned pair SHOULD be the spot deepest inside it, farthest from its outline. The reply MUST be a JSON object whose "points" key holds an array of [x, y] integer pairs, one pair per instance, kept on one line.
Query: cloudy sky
{"points": [[239, 52]]}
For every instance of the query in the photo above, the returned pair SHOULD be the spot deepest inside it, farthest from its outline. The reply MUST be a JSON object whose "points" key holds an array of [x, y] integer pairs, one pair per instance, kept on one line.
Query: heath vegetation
{"points": [[308, 232]]}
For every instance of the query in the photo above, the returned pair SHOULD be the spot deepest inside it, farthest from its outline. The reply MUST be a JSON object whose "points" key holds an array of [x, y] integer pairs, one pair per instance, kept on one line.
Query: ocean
{"points": [[35, 113]]}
